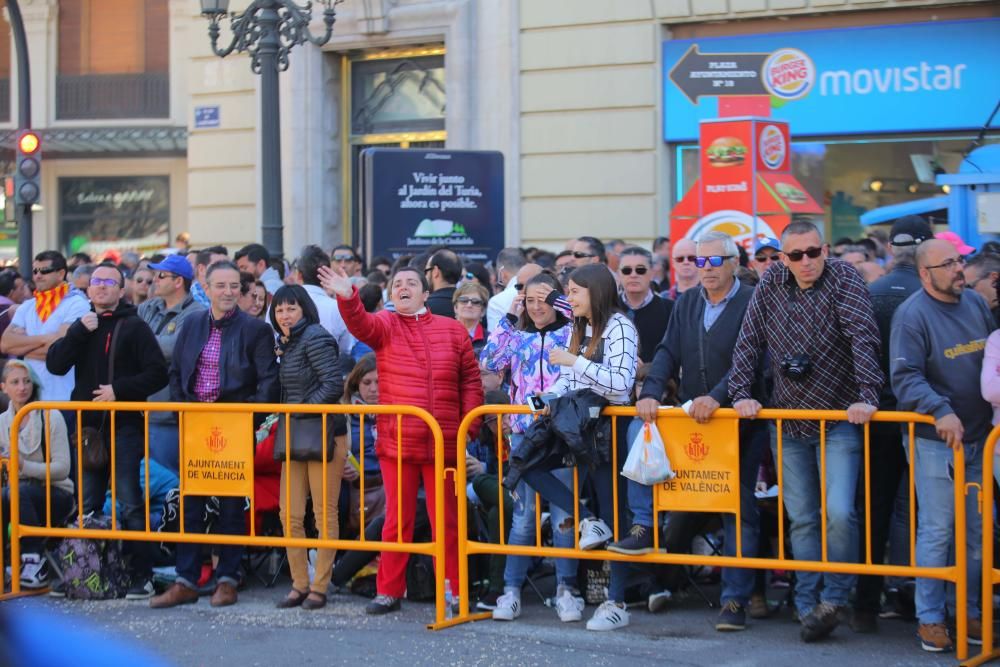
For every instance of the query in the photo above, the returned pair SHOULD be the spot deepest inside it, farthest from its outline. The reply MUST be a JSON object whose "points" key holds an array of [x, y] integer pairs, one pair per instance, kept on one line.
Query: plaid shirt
{"points": [[207, 380], [832, 322]]}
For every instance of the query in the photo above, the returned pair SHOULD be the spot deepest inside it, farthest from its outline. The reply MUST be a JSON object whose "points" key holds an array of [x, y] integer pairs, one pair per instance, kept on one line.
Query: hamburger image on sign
{"points": [[790, 193], [726, 152]]}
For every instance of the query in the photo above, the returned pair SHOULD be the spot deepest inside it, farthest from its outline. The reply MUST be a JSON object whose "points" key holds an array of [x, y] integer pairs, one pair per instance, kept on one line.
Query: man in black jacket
{"points": [[697, 350], [444, 270], [137, 370], [222, 355], [888, 459], [648, 311]]}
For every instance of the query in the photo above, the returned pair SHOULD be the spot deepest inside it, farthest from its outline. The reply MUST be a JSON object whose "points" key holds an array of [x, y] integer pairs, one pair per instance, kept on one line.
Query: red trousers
{"points": [[391, 578]]}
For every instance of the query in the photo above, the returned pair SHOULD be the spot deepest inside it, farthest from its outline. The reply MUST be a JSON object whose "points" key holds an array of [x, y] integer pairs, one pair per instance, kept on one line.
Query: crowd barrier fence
{"points": [[991, 574], [675, 422], [210, 466]]}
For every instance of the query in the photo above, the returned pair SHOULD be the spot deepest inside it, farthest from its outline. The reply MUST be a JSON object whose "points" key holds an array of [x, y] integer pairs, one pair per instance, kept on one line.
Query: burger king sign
{"points": [[788, 74]]}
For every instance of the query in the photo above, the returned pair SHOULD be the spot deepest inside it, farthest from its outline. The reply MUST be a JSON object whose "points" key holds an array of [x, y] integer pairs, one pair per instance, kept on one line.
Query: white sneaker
{"points": [[569, 607], [508, 607], [608, 616], [593, 533], [657, 602], [34, 571]]}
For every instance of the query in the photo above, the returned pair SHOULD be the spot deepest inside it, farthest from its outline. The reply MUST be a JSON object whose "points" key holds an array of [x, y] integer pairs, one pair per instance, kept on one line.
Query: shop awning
{"points": [[917, 207], [101, 142]]}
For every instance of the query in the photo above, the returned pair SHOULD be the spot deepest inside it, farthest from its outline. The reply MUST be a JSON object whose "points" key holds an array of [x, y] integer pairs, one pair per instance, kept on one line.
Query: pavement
{"points": [[254, 632]]}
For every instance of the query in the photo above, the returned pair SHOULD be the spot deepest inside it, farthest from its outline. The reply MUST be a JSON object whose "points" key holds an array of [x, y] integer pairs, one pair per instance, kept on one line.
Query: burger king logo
{"points": [[788, 74], [737, 224], [772, 147]]}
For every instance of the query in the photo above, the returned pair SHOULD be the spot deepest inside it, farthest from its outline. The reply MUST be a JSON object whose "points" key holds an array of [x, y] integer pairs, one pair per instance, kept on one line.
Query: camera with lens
{"points": [[796, 366]]}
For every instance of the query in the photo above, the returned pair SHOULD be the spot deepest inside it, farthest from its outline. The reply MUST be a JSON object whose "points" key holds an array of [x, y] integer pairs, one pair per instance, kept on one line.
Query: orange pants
{"points": [[392, 566]]}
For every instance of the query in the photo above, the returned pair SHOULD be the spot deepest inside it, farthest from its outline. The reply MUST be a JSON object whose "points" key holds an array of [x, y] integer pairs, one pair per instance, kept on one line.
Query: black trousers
{"points": [[888, 465]]}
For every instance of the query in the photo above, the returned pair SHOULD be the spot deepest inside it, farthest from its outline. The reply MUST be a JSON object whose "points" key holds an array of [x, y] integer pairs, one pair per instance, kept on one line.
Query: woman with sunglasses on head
{"points": [[469, 302], [539, 321]]}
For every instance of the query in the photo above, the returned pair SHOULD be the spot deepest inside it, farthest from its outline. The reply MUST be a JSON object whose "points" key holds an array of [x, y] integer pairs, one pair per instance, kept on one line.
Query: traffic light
{"points": [[28, 169]]}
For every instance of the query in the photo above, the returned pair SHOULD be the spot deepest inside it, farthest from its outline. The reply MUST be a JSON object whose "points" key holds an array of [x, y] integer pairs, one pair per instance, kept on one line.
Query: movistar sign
{"points": [[904, 78]]}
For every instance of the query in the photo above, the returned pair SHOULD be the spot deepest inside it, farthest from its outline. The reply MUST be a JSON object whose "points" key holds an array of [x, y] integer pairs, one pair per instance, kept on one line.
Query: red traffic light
{"points": [[28, 143]]}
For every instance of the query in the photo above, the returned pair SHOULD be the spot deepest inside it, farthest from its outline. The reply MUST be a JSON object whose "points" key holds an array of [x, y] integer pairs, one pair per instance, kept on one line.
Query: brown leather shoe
{"points": [[224, 595], [177, 594]]}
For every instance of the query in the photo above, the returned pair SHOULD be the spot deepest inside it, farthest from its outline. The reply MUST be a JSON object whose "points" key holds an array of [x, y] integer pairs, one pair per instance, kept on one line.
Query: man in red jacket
{"points": [[426, 361]]}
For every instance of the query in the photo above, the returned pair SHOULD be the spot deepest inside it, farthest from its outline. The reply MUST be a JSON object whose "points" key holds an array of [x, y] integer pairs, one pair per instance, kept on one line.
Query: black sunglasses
{"points": [[680, 259], [470, 300], [519, 286], [583, 255], [762, 259], [797, 255], [46, 271], [639, 270], [711, 260]]}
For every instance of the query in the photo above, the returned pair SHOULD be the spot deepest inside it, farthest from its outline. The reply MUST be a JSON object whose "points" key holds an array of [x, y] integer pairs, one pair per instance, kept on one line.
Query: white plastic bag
{"points": [[647, 461]]}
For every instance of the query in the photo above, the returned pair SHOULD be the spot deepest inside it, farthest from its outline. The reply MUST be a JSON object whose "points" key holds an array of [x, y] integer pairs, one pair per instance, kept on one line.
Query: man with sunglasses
{"points": [[697, 352], [982, 271], [44, 319], [443, 271], [813, 317], [588, 250], [115, 357], [647, 310], [766, 251], [685, 271], [936, 353], [888, 460], [170, 306]]}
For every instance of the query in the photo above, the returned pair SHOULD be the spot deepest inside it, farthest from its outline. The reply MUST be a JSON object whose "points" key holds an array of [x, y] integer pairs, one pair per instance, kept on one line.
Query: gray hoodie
{"points": [[935, 357]]}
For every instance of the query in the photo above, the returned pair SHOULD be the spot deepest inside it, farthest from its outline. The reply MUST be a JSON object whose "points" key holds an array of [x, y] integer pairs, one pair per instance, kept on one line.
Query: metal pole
{"points": [[272, 232], [24, 216]]}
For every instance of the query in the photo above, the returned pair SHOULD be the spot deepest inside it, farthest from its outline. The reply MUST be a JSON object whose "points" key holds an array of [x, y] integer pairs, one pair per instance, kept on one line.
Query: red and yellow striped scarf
{"points": [[46, 302]]}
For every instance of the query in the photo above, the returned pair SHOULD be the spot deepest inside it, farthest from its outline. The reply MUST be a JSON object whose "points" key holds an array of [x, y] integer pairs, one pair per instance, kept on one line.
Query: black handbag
{"points": [[306, 433]]}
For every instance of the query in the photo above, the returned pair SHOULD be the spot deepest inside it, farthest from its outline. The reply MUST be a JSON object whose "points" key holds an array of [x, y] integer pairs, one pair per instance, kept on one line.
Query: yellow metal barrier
{"points": [[991, 575], [955, 574], [202, 411]]}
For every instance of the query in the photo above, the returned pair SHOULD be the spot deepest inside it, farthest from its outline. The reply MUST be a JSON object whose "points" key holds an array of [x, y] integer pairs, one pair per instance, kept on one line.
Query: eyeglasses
{"points": [[639, 270], [680, 259], [711, 260], [104, 282], [164, 275], [797, 255], [429, 268], [953, 263], [468, 300], [45, 270], [519, 286], [764, 259], [583, 255], [143, 281], [343, 258]]}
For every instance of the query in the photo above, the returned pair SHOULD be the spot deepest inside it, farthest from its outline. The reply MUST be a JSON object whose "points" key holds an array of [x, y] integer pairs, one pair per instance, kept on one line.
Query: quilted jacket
{"points": [[425, 361]]}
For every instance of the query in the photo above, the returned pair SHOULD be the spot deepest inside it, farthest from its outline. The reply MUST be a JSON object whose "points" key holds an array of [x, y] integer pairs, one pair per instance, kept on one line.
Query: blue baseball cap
{"points": [[766, 242], [175, 264]]}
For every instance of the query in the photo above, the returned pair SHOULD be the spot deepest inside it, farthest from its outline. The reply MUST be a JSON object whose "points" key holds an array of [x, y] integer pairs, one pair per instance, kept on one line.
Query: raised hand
{"points": [[335, 281]]}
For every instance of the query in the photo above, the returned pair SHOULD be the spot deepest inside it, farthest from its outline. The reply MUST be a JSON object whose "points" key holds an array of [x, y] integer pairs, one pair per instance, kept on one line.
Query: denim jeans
{"points": [[933, 474], [801, 470], [522, 532], [231, 521], [31, 504], [164, 445], [128, 492]]}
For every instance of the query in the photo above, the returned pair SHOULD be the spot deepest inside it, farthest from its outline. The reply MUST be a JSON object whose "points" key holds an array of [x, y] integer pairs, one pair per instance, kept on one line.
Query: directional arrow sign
{"points": [[711, 74]]}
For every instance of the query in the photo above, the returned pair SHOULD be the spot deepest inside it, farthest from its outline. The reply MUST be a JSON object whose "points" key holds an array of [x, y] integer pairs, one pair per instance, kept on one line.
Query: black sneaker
{"points": [[57, 589], [638, 541], [820, 622], [733, 617], [864, 622], [141, 589], [489, 601], [381, 605]]}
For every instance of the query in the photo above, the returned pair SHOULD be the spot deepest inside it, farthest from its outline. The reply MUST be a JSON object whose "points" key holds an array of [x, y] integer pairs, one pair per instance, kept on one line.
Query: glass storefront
{"points": [[98, 214]]}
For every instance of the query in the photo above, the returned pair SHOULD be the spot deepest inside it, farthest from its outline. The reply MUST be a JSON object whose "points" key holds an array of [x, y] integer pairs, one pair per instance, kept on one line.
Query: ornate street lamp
{"points": [[267, 30]]}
